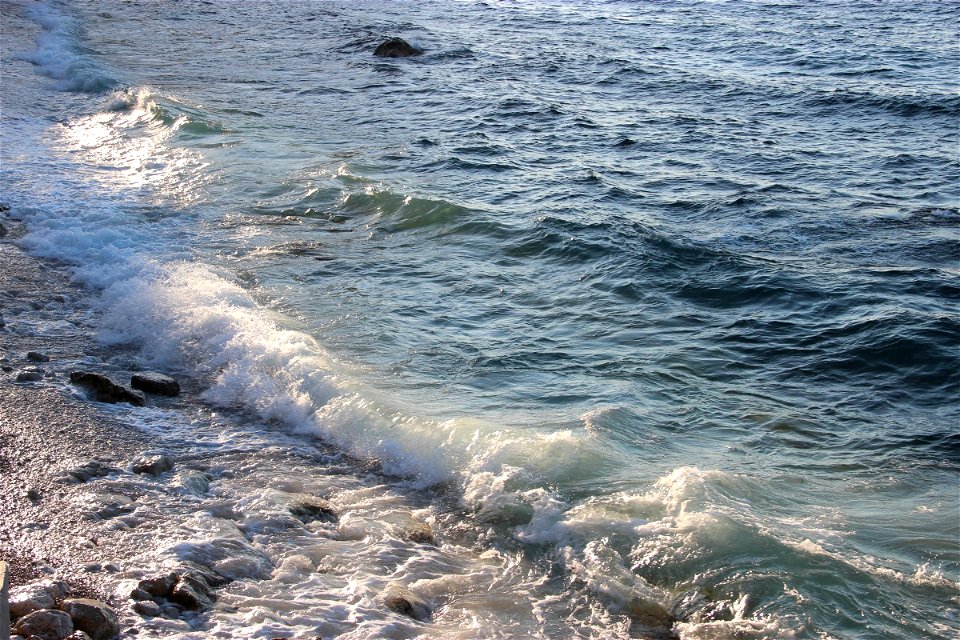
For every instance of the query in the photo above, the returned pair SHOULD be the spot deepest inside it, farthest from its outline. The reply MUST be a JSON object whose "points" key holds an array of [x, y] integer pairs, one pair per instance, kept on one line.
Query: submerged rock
{"points": [[46, 624], [30, 375], [396, 48], [156, 383], [89, 471], [103, 389], [36, 356], [400, 599], [310, 509], [152, 464], [92, 616], [419, 533]]}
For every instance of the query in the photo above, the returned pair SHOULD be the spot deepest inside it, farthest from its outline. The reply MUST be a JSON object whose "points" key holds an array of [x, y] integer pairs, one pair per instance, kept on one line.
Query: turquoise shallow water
{"points": [[663, 296]]}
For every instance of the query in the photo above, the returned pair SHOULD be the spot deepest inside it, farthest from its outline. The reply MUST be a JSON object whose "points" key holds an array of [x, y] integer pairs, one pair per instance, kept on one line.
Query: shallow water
{"points": [[650, 311]]}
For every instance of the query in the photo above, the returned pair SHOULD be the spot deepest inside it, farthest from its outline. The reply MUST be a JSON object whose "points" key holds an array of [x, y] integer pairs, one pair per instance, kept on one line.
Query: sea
{"points": [[644, 315]]}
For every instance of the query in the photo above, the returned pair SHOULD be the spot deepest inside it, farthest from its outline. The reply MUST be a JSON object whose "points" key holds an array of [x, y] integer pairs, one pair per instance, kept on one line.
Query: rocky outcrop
{"points": [[396, 48], [156, 383], [46, 624], [103, 389], [93, 617]]}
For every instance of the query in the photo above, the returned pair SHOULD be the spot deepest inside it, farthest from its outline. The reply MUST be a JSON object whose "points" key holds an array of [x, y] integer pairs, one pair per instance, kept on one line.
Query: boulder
{"points": [[152, 464], [102, 389], [92, 616], [36, 356], [47, 624], [29, 598], [194, 482], [396, 48], [156, 383], [400, 599], [312, 508]]}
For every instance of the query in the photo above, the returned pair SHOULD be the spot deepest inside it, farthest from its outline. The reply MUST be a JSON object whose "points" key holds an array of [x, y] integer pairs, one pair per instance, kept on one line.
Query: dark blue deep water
{"points": [[659, 300]]}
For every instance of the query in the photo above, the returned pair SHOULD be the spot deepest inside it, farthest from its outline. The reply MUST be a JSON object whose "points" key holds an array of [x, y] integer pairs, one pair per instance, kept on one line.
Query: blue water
{"points": [[662, 296]]}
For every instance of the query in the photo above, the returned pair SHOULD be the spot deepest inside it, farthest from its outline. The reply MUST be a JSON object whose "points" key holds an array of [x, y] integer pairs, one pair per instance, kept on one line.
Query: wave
{"points": [[58, 55]]}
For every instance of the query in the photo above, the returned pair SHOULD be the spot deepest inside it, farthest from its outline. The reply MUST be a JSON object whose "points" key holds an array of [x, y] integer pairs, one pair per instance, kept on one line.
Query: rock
{"points": [[33, 495], [152, 464], [147, 608], [312, 508], [48, 624], [30, 376], [5, 368], [396, 48], [155, 383], [92, 616], [89, 471], [102, 389], [78, 635], [157, 586], [419, 533], [194, 482], [36, 356], [192, 592], [3, 230], [400, 599], [29, 598]]}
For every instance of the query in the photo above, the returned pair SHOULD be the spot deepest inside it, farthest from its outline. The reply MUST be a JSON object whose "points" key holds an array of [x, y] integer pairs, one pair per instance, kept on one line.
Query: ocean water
{"points": [[648, 310]]}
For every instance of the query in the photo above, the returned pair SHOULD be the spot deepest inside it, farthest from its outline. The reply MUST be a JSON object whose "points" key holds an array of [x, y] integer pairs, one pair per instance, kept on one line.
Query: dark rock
{"points": [[310, 509], [152, 464], [29, 376], [155, 383], [47, 624], [29, 598], [396, 48], [400, 599], [33, 495], [89, 471], [92, 616], [102, 389], [78, 635], [157, 586], [3, 230], [192, 592], [147, 608], [36, 356], [6, 368]]}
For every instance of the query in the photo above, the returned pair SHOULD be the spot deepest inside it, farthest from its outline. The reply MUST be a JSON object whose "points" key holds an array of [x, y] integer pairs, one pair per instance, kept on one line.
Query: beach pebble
{"points": [[93, 617], [400, 599], [47, 624], [156, 383], [152, 464]]}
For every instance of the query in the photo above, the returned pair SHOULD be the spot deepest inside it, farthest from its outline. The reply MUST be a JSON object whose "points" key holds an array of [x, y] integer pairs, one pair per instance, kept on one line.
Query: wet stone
{"points": [[156, 586], [102, 389], [147, 608], [89, 471], [78, 635], [419, 533], [156, 383], [46, 624], [29, 598], [152, 464], [396, 48], [30, 376], [310, 509], [92, 616], [400, 599], [36, 356], [192, 592]]}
